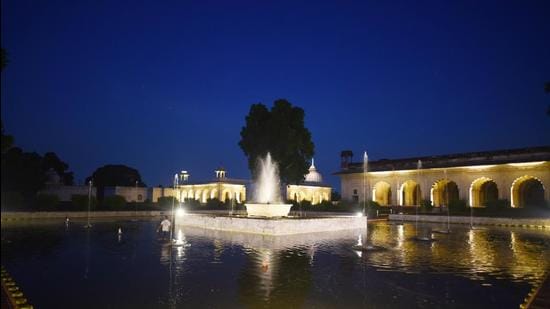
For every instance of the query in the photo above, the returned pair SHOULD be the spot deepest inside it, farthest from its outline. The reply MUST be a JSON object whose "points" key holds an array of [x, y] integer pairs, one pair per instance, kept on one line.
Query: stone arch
{"points": [[226, 195], [325, 196], [443, 192], [204, 196], [183, 195], [482, 192], [301, 196], [382, 193], [213, 193], [197, 195], [314, 198], [527, 191], [190, 194], [410, 193]]}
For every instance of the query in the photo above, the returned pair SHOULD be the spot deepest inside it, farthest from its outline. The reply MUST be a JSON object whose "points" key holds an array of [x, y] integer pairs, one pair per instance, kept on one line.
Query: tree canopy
{"points": [[281, 132], [27, 172], [3, 59], [115, 175]]}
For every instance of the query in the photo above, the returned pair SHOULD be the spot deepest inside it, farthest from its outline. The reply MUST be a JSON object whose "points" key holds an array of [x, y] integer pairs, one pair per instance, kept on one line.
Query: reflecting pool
{"points": [[60, 266]]}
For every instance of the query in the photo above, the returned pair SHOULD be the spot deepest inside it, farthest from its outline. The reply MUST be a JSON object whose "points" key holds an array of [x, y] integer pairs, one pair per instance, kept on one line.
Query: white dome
{"points": [[313, 175]]}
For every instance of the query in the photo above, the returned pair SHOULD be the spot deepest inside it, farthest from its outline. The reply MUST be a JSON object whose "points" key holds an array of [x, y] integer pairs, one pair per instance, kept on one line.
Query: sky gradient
{"points": [[166, 86]]}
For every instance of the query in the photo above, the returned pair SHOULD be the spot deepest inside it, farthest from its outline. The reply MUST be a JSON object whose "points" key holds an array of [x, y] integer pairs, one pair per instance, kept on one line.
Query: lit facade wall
{"points": [[313, 194], [215, 190], [65, 193], [507, 177], [130, 194], [157, 192]]}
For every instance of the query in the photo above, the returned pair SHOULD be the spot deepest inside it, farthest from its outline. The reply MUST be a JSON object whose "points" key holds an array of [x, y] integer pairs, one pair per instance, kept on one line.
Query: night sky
{"points": [[163, 86]]}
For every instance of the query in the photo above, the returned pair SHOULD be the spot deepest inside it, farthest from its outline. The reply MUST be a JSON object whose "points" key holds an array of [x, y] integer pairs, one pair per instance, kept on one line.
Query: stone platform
{"points": [[274, 227]]}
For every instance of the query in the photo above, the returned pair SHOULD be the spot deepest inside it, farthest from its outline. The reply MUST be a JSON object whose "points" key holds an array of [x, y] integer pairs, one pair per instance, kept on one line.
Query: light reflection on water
{"points": [[494, 267]]}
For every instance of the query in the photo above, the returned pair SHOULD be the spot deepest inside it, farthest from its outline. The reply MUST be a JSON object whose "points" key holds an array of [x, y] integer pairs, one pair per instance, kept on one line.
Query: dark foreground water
{"points": [[71, 267]]}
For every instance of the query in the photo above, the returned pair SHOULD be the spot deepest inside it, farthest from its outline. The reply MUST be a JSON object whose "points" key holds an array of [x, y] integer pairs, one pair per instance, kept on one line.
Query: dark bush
{"points": [[46, 202], [13, 201], [214, 204], [114, 202], [497, 204], [458, 206], [426, 205], [166, 202], [80, 202], [192, 204]]}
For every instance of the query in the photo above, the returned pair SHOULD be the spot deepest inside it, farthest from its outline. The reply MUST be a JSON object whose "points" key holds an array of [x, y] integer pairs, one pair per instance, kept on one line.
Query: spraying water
{"points": [[418, 167], [267, 189], [365, 170]]}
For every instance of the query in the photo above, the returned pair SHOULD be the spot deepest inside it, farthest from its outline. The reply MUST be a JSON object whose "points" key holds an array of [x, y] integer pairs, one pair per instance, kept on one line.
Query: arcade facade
{"points": [[520, 176]]}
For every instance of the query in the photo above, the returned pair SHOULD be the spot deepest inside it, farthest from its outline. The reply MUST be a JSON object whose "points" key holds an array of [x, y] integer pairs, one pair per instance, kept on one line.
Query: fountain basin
{"points": [[268, 210], [271, 226]]}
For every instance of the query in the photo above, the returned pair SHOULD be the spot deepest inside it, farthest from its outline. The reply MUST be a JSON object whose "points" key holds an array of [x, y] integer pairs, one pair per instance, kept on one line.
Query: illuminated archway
{"points": [[527, 191], [214, 194], [314, 198], [183, 195], [190, 195], [443, 192], [204, 196], [410, 193], [301, 196], [197, 195], [483, 191], [382, 193], [325, 197], [226, 195]]}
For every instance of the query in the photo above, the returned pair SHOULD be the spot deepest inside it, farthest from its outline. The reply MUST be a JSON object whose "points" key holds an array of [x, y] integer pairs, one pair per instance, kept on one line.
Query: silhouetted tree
{"points": [[22, 172], [7, 140], [52, 161], [114, 175], [26, 172], [3, 59], [281, 132]]}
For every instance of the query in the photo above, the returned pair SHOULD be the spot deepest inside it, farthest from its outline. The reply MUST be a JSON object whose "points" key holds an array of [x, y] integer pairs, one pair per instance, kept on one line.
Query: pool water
{"points": [[59, 266]]}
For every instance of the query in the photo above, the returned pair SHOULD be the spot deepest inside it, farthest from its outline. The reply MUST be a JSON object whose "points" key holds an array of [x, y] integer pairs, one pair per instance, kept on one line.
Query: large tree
{"points": [[7, 140], [3, 59], [51, 161], [27, 172], [22, 172], [281, 132], [114, 175]]}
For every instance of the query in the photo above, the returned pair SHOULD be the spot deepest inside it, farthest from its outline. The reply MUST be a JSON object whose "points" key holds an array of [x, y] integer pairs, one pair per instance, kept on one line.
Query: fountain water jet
{"points": [[267, 195]]}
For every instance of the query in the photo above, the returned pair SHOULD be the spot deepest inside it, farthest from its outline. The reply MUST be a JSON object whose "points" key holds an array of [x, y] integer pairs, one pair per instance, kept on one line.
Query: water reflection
{"points": [[206, 268]]}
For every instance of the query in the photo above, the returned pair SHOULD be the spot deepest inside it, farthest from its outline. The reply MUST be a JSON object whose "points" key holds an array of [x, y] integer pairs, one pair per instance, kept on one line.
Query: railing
{"points": [[12, 296]]}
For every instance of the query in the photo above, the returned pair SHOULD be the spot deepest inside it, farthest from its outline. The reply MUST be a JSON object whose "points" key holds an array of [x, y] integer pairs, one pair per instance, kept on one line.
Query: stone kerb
{"points": [[78, 214], [517, 222]]}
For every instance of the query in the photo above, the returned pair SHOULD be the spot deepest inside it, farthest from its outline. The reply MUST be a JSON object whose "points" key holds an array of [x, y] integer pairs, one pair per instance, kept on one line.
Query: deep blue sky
{"points": [[166, 86]]}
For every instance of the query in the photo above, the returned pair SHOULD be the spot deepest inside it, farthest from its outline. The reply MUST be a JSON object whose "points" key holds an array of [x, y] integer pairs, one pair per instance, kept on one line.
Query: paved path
{"points": [[541, 296]]}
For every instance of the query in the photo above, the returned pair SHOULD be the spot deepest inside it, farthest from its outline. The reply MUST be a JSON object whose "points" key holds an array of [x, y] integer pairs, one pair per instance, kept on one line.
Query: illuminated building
{"points": [[520, 176]]}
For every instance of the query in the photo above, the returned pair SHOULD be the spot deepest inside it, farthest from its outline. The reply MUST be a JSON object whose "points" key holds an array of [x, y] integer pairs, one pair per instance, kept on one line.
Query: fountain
{"points": [[267, 196], [427, 235], [364, 246], [267, 214], [446, 190]]}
